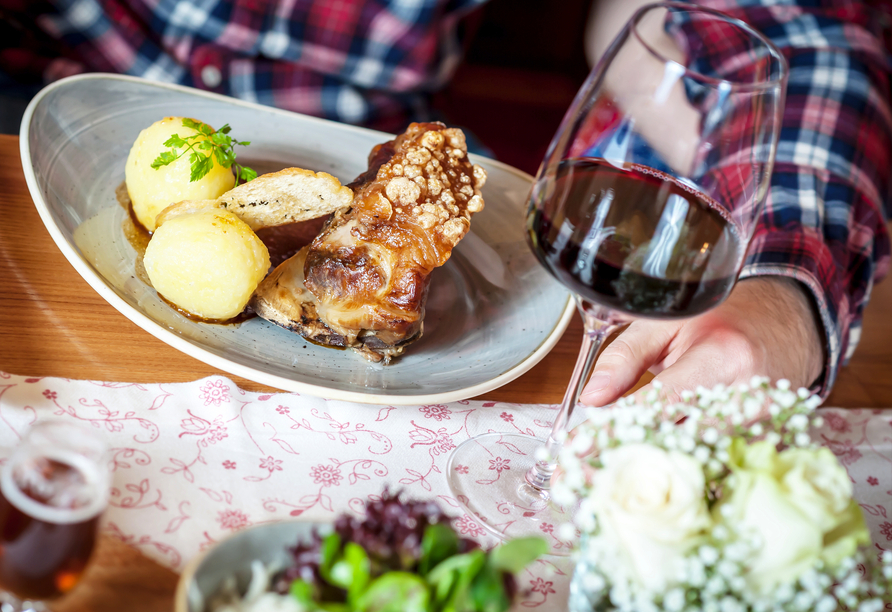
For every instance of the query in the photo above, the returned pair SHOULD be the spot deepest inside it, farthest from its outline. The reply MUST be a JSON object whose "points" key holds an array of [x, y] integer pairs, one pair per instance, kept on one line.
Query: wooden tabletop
{"points": [[53, 324]]}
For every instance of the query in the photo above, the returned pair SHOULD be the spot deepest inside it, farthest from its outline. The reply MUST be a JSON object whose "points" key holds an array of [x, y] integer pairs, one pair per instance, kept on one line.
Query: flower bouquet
{"points": [[720, 502]]}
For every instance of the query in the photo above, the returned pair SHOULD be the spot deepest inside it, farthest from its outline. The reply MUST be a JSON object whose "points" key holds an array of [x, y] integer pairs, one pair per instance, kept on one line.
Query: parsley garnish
{"points": [[216, 144]]}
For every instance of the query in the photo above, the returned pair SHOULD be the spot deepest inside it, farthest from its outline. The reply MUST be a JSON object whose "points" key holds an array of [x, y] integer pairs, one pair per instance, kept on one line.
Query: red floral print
{"points": [[216, 432], [845, 451], [837, 422], [229, 465], [469, 527], [444, 442], [437, 412], [541, 586], [498, 464], [214, 392], [271, 463], [232, 519], [326, 475]]}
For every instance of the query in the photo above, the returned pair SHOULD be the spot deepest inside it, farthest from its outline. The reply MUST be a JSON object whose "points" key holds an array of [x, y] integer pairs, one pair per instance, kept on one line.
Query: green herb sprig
{"points": [[204, 146]]}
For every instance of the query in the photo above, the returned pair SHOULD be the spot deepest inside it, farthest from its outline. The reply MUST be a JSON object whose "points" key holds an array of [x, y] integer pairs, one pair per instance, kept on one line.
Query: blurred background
{"points": [[524, 62]]}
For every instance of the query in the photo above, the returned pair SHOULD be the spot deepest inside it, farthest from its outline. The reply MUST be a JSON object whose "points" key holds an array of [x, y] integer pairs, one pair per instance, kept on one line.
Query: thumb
{"points": [[626, 359]]}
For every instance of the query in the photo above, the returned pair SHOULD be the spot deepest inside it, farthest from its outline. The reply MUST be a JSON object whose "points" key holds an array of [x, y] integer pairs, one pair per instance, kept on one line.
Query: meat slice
{"points": [[363, 282]]}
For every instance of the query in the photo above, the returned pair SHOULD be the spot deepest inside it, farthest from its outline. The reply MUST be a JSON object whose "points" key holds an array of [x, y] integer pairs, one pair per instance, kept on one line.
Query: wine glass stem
{"points": [[596, 332]]}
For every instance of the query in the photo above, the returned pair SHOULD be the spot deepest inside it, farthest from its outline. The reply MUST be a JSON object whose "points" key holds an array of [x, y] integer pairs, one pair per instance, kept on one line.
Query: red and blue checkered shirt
{"points": [[374, 61], [825, 217], [369, 62]]}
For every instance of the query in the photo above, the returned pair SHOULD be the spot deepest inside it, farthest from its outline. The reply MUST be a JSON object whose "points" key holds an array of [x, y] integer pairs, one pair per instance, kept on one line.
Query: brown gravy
{"points": [[282, 242]]}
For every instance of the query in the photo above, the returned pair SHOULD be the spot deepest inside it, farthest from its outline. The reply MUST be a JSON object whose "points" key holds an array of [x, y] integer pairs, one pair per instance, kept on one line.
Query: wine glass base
{"points": [[486, 475]]}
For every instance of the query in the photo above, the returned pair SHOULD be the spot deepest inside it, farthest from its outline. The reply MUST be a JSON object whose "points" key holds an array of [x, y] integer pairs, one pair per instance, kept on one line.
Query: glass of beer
{"points": [[53, 489]]}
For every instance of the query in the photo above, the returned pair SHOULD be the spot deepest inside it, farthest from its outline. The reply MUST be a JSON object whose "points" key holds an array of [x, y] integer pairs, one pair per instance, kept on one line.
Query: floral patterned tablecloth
{"points": [[195, 461]]}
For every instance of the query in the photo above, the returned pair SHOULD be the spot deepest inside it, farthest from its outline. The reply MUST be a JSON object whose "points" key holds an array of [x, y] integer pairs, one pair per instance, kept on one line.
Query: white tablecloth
{"points": [[195, 461]]}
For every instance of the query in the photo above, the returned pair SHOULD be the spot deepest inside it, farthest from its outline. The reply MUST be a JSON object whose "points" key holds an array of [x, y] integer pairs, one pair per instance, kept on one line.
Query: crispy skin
{"points": [[363, 282]]}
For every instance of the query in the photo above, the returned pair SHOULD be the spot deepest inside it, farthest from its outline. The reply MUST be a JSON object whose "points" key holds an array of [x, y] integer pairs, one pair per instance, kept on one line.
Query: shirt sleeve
{"points": [[824, 221]]}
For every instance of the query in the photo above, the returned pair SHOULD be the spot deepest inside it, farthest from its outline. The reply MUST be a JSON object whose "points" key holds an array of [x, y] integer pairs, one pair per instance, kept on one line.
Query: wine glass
{"points": [[53, 489], [643, 207]]}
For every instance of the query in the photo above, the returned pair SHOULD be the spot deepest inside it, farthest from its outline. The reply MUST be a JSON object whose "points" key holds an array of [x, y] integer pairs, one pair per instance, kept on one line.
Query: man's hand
{"points": [[766, 327]]}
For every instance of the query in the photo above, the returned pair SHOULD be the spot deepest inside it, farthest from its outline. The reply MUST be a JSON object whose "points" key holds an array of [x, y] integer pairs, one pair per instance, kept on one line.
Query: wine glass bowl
{"points": [[643, 207]]}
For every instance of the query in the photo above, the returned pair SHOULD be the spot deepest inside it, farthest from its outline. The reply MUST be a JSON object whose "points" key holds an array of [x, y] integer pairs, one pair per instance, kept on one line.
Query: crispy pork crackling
{"points": [[363, 281]]}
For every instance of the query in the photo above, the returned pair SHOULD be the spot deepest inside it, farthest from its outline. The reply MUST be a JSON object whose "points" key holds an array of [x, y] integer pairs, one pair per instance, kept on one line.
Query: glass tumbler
{"points": [[53, 489]]}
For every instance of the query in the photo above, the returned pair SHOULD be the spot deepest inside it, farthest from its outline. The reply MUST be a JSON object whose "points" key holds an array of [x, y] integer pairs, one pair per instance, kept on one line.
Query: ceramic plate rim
{"points": [[92, 277]]}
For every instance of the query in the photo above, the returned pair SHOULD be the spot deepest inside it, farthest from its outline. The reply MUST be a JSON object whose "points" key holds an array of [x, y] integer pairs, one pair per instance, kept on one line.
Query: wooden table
{"points": [[53, 324]]}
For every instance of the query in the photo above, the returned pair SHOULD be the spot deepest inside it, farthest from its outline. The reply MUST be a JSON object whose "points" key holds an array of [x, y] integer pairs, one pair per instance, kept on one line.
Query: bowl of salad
{"points": [[402, 556]]}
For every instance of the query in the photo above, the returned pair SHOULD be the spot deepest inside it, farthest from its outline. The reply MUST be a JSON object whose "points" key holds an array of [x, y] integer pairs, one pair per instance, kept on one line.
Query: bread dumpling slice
{"points": [[278, 198]]}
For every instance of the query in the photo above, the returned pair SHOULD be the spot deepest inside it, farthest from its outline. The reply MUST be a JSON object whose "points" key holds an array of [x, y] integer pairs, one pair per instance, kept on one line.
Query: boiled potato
{"points": [[208, 263], [151, 190]]}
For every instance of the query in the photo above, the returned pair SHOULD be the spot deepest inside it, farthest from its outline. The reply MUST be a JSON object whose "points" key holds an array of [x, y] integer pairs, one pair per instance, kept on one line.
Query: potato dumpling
{"points": [[208, 263], [151, 190]]}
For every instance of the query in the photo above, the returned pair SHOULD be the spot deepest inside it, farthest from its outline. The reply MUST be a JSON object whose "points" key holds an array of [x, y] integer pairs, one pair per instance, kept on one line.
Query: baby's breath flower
{"points": [[798, 422], [825, 604], [729, 604], [784, 593], [566, 531], [580, 444], [701, 454], [674, 600], [711, 573], [716, 584], [708, 554]]}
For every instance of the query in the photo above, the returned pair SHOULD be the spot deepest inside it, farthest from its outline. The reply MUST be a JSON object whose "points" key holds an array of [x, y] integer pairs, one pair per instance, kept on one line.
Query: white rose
{"points": [[758, 509], [820, 488], [651, 504]]}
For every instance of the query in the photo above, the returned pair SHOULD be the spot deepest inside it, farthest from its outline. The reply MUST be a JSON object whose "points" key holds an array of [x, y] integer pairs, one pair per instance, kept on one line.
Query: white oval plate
{"points": [[492, 313]]}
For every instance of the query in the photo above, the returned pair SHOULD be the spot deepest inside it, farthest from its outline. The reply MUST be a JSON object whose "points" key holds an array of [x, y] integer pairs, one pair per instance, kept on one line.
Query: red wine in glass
{"points": [[635, 240]]}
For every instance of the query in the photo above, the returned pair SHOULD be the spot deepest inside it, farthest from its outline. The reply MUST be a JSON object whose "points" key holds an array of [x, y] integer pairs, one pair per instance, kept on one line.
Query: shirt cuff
{"points": [[770, 255]]}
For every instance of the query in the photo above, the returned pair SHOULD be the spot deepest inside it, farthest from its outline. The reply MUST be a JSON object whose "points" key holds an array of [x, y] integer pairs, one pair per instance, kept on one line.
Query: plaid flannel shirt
{"points": [[372, 62], [369, 62], [824, 222]]}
